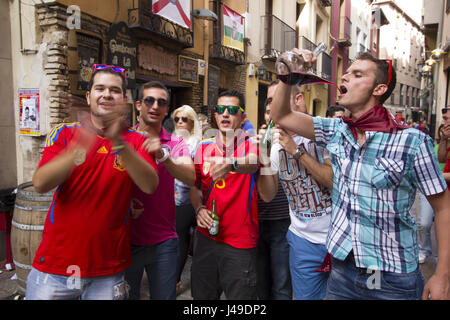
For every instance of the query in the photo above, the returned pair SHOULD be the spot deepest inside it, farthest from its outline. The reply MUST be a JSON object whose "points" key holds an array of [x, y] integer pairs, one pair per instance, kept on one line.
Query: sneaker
{"points": [[422, 257]]}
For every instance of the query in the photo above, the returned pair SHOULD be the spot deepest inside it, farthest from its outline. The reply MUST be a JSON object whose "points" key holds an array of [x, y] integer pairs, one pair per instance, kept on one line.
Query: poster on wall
{"points": [[29, 112], [178, 11]]}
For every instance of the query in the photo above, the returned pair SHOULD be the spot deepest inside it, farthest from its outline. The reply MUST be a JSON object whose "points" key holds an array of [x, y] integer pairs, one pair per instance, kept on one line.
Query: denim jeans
{"points": [[160, 263], [304, 259], [425, 216], [274, 279], [46, 286], [347, 282]]}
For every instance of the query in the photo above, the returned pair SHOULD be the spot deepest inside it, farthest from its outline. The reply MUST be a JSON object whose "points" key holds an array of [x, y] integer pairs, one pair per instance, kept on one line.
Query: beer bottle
{"points": [[266, 139], [214, 230]]}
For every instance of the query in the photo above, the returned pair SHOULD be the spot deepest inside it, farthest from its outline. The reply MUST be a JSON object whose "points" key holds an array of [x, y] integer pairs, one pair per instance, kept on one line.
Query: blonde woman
{"points": [[189, 128]]}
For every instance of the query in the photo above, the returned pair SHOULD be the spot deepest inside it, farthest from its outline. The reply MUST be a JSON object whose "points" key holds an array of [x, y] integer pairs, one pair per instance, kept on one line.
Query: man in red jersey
{"points": [[225, 169], [86, 240]]}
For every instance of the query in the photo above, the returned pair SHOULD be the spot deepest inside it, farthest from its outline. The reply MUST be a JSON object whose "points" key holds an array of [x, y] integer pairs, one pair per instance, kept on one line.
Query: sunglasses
{"points": [[149, 101], [231, 109], [444, 110], [107, 66], [390, 70], [184, 119]]}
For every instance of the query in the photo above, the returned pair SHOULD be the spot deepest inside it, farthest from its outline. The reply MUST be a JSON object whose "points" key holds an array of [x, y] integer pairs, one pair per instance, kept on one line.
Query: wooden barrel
{"points": [[30, 210]]}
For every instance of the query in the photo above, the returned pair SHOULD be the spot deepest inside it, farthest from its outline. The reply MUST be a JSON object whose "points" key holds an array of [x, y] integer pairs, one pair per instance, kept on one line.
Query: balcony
{"points": [[226, 54], [345, 33], [147, 25], [277, 37], [326, 66]]}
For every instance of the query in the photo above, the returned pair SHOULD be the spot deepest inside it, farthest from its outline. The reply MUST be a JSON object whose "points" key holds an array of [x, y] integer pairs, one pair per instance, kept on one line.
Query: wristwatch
{"points": [[166, 154], [300, 151], [235, 164]]}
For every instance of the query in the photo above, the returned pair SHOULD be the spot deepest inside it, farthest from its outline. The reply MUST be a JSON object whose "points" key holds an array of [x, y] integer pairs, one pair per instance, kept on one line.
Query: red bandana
{"points": [[376, 119]]}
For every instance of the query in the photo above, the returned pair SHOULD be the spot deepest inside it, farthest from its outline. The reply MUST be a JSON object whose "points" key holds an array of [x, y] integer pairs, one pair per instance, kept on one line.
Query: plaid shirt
{"points": [[374, 187]]}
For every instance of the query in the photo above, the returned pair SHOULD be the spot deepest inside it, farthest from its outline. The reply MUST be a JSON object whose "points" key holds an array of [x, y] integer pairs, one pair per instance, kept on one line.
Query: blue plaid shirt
{"points": [[374, 187]]}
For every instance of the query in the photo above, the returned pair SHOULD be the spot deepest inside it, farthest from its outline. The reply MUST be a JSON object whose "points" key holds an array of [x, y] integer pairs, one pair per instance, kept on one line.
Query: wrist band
{"points": [[198, 209], [117, 149]]}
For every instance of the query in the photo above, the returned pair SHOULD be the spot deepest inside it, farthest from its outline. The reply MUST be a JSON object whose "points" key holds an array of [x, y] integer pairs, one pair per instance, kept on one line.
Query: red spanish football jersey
{"points": [[87, 225], [236, 196]]}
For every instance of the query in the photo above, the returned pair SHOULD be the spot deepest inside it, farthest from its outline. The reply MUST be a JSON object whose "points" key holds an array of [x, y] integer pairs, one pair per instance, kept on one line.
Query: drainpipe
{"points": [[432, 115]]}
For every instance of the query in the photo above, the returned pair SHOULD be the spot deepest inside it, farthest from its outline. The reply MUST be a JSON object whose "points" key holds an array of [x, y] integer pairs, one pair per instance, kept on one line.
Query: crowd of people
{"points": [[318, 214]]}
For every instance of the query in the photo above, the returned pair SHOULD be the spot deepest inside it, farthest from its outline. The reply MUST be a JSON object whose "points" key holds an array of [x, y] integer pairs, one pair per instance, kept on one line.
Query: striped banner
{"points": [[233, 29]]}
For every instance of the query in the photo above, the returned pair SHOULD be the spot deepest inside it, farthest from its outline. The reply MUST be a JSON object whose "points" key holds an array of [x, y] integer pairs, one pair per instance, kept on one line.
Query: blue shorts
{"points": [[304, 259]]}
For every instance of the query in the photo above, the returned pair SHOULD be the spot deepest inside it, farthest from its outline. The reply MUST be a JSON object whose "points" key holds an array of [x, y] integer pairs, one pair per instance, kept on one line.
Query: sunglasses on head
{"points": [[107, 66], [149, 101], [231, 109], [390, 70], [184, 119]]}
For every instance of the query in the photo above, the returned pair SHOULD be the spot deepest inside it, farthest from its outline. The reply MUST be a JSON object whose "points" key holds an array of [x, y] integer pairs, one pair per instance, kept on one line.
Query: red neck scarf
{"points": [[376, 119]]}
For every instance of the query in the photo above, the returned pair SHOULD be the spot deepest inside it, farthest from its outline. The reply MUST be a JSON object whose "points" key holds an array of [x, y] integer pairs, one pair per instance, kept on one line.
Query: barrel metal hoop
{"points": [[27, 227], [23, 266], [34, 208]]}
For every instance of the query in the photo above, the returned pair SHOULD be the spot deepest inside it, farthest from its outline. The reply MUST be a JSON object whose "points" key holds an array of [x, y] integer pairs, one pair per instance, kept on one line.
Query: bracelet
{"points": [[198, 209], [118, 149]]}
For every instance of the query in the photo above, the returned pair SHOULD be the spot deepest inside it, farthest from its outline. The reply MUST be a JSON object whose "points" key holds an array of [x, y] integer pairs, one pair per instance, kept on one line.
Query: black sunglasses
{"points": [[184, 119], [444, 110], [149, 101]]}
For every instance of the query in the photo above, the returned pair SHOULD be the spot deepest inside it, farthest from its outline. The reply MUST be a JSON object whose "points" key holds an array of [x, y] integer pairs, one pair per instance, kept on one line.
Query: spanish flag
{"points": [[233, 29]]}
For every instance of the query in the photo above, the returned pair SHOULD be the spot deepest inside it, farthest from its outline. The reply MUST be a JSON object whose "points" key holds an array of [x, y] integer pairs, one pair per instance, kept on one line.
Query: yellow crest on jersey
{"points": [[118, 164]]}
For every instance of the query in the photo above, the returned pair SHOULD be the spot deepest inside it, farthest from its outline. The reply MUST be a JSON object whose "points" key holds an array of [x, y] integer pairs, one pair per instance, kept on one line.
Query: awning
{"points": [[379, 18]]}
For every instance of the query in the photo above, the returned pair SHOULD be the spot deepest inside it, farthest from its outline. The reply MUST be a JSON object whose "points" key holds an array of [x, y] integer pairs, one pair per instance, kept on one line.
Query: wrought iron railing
{"points": [[307, 44], [219, 51], [277, 37], [346, 27]]}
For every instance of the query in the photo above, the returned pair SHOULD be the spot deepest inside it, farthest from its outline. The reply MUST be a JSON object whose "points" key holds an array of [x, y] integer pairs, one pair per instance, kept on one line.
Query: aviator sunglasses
{"points": [[149, 101], [184, 119], [231, 109]]}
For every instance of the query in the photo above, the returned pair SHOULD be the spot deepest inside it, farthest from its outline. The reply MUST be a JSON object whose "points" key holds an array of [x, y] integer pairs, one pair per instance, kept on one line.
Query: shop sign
{"points": [[187, 69], [88, 55], [122, 50]]}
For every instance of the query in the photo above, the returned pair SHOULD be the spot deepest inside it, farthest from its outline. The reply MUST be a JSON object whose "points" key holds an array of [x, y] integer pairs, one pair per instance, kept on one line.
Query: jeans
{"points": [[347, 282], [160, 263], [46, 286], [305, 258], [274, 278], [425, 216], [218, 267]]}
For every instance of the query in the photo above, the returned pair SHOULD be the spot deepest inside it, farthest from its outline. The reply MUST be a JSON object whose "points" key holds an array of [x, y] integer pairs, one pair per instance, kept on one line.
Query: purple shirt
{"points": [[157, 223]]}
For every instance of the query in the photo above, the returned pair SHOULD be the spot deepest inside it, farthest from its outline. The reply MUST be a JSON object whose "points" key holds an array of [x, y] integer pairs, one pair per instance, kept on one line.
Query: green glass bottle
{"points": [[266, 139], [214, 230]]}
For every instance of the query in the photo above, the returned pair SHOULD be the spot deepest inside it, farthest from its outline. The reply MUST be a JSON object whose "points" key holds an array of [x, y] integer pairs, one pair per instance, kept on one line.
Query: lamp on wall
{"points": [[261, 71], [430, 61], [204, 14], [437, 53]]}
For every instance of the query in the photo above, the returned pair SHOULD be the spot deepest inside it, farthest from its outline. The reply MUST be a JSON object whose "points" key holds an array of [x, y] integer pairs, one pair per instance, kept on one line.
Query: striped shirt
{"points": [[374, 187], [276, 209]]}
